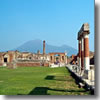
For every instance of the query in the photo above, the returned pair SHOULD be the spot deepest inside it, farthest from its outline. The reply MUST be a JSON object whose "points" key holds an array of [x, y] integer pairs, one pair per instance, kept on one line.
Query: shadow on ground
{"points": [[57, 78], [77, 79], [39, 91], [44, 91]]}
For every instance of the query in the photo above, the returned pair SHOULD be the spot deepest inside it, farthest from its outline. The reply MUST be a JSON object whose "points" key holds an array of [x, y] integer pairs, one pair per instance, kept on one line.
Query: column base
{"points": [[88, 74]]}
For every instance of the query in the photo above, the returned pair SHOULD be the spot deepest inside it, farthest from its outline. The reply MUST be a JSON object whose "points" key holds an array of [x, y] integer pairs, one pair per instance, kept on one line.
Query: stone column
{"points": [[86, 52], [82, 53], [79, 48], [43, 47]]}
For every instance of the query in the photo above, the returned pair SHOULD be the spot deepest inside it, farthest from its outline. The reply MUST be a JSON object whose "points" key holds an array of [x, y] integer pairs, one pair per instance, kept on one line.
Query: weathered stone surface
{"points": [[84, 30]]}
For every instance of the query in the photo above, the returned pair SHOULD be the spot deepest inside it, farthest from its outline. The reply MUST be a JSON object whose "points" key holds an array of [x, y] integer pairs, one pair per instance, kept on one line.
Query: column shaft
{"points": [[79, 53], [82, 53], [86, 52], [43, 47]]}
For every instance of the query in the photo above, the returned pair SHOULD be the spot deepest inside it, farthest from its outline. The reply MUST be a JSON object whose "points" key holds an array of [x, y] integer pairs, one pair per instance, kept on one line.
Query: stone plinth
{"points": [[89, 74]]}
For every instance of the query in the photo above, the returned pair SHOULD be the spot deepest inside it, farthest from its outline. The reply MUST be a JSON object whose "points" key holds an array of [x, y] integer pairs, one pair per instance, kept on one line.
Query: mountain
{"points": [[34, 45]]}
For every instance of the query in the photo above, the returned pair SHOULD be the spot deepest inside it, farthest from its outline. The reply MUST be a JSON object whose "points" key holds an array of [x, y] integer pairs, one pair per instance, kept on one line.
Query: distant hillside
{"points": [[34, 45]]}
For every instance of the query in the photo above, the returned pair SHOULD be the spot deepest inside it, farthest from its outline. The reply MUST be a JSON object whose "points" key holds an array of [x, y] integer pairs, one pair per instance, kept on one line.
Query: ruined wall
{"points": [[28, 64], [1, 64], [11, 57], [46, 64], [29, 59], [61, 57]]}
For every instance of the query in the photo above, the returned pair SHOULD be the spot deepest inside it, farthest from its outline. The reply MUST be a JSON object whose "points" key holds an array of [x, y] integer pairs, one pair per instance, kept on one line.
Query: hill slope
{"points": [[34, 45]]}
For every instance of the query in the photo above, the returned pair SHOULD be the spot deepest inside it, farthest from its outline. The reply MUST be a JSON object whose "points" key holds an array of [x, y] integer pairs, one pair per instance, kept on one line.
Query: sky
{"points": [[55, 21]]}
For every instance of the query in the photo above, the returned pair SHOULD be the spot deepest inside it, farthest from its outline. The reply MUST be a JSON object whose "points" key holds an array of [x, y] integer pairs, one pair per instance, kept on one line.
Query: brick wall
{"points": [[46, 64], [1, 64], [31, 64], [11, 57]]}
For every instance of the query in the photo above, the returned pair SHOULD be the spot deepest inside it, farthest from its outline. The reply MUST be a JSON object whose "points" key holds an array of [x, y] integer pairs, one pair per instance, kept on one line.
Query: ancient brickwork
{"points": [[57, 57], [28, 59], [27, 64]]}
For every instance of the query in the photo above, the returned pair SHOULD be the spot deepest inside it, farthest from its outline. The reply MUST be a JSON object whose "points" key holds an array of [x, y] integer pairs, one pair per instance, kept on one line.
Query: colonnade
{"points": [[83, 47]]}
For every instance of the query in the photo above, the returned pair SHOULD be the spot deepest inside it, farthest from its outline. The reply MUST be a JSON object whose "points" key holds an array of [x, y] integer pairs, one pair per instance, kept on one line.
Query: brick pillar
{"points": [[86, 52], [82, 53], [44, 47], [79, 48]]}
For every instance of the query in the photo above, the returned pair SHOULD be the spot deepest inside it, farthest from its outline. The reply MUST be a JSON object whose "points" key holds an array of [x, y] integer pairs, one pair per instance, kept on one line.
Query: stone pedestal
{"points": [[86, 74], [89, 74]]}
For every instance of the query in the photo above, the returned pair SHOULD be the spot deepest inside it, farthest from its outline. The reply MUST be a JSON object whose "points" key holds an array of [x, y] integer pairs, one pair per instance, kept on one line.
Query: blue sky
{"points": [[56, 21]]}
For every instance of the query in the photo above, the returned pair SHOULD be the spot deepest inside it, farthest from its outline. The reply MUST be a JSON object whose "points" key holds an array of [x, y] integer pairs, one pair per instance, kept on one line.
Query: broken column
{"points": [[43, 47]]}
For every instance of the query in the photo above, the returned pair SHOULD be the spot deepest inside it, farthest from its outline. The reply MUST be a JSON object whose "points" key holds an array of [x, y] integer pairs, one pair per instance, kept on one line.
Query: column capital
{"points": [[86, 35], [84, 30]]}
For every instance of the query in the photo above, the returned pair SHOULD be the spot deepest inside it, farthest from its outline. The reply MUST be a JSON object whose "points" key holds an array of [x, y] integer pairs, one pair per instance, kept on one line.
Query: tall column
{"points": [[79, 48], [65, 57], [86, 52], [82, 53], [43, 47]]}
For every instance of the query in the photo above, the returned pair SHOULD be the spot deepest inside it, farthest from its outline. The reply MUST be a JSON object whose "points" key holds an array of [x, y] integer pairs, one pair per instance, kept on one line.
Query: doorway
{"points": [[5, 60]]}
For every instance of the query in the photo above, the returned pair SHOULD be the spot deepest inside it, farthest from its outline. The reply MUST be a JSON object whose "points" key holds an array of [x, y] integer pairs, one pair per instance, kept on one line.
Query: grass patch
{"points": [[38, 81]]}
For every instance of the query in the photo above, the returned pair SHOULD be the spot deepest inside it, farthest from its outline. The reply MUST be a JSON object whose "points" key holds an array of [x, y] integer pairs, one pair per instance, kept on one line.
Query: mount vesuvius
{"points": [[34, 45]]}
